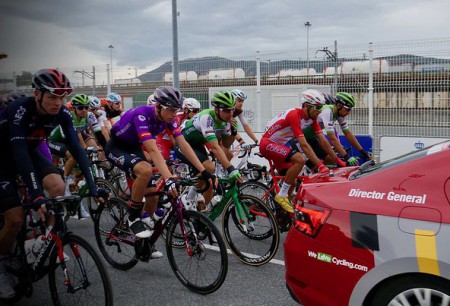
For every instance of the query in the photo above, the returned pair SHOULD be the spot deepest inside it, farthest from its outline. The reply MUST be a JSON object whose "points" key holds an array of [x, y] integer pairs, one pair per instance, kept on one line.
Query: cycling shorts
{"points": [[280, 155]]}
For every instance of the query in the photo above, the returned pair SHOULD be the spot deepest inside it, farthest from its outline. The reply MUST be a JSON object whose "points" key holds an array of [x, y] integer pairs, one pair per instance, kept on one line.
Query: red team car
{"points": [[378, 234]]}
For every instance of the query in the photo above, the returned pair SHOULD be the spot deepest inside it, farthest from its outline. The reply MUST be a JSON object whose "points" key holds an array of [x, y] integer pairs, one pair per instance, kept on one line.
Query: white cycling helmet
{"points": [[312, 97], [237, 93], [191, 103], [151, 100], [94, 102], [114, 98]]}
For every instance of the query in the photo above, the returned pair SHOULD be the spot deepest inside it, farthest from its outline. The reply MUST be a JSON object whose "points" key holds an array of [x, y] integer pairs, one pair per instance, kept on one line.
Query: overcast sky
{"points": [[61, 33]]}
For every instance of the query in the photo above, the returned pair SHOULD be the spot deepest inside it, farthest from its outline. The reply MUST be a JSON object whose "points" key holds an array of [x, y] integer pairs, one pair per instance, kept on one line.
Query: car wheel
{"points": [[413, 290]]}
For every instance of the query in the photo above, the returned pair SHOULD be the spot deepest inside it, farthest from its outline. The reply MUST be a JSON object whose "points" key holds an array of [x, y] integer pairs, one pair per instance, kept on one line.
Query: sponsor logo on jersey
{"points": [[278, 150], [142, 118], [19, 114]]}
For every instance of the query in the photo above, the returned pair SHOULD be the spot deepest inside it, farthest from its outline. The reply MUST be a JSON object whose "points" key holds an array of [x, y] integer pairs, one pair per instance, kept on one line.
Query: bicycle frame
{"points": [[231, 193]]}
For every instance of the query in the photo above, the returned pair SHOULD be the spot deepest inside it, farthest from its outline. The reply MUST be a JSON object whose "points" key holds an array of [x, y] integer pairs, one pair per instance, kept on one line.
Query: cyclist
{"points": [[165, 141], [281, 129], [112, 105], [99, 128], [339, 108], [240, 97], [137, 127], [25, 123], [207, 128], [81, 121]]}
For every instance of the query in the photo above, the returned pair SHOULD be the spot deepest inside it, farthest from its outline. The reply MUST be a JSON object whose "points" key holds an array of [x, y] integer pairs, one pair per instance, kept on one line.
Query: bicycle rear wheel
{"points": [[202, 269], [88, 281], [253, 240], [113, 236], [259, 190]]}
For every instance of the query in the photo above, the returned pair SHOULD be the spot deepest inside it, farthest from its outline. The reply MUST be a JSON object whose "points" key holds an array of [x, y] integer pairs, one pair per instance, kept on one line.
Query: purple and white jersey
{"points": [[140, 124]]}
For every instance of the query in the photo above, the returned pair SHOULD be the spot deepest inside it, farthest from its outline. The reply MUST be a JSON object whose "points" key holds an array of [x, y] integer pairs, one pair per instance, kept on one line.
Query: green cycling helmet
{"points": [[346, 99], [223, 99], [80, 100]]}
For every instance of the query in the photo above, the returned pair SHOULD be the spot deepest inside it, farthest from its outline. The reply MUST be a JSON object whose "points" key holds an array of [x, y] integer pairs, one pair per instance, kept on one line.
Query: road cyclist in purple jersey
{"points": [[137, 129]]}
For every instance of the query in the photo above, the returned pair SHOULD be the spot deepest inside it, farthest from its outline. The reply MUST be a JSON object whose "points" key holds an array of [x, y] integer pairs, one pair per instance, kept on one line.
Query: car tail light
{"points": [[309, 218]]}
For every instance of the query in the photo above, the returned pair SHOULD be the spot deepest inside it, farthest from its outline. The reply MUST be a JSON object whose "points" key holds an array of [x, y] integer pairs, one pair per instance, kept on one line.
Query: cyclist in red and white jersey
{"points": [[165, 141], [281, 129]]}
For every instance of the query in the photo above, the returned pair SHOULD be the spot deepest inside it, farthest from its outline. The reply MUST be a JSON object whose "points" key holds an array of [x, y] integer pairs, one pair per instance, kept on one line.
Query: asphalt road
{"points": [[154, 283]]}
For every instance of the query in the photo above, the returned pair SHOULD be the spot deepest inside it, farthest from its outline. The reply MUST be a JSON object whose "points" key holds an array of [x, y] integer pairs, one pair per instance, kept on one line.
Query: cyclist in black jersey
{"points": [[24, 124]]}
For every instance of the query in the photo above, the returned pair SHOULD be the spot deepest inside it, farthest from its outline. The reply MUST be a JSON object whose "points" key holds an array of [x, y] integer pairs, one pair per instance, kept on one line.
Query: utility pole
{"points": [[89, 75], [332, 56]]}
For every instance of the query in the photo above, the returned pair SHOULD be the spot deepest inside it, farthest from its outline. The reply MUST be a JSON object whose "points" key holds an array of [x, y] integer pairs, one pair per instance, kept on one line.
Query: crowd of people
{"points": [[35, 130]]}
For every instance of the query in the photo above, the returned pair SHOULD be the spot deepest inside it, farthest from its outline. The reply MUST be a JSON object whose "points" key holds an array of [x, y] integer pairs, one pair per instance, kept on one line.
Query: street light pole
{"points": [[307, 25], [112, 79], [175, 67]]}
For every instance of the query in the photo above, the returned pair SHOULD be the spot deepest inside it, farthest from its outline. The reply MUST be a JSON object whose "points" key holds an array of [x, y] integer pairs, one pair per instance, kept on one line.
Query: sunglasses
{"points": [[348, 108], [59, 92], [82, 107], [170, 109], [317, 107], [195, 111], [227, 110]]}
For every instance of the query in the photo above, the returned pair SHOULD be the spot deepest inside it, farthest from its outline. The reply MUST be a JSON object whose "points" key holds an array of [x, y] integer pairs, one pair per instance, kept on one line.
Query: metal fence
{"points": [[411, 82]]}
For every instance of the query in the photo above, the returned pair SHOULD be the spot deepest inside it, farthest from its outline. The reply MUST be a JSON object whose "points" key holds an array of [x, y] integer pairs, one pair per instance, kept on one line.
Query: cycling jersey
{"points": [[240, 115], [326, 120], [79, 124], [205, 127], [288, 124], [163, 141], [100, 116], [140, 124], [22, 129]]}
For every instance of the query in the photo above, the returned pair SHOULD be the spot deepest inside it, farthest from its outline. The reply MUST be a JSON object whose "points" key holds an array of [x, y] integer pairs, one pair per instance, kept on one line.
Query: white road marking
{"points": [[274, 261]]}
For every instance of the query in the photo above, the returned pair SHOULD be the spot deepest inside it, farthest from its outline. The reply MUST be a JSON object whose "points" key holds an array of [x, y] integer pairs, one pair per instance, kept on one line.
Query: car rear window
{"points": [[369, 169]]}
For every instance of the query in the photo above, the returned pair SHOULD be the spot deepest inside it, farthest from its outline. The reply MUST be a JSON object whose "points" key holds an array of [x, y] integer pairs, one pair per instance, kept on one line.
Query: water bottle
{"points": [[158, 214], [28, 247], [215, 200], [33, 247]]}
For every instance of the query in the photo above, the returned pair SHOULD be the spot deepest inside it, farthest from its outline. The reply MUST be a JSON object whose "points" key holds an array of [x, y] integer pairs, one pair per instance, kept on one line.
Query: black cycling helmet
{"points": [[52, 81], [168, 96]]}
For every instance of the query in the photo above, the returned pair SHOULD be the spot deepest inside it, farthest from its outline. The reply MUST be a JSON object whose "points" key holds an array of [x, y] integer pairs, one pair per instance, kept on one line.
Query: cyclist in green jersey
{"points": [[81, 123], [337, 109], [208, 128]]}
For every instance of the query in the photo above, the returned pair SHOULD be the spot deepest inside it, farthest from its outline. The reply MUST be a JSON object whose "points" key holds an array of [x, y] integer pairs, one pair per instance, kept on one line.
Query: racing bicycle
{"points": [[195, 249], [75, 271]]}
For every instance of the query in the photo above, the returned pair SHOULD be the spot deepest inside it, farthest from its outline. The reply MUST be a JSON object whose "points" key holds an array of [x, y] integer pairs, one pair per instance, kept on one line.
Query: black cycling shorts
{"points": [[9, 197]]}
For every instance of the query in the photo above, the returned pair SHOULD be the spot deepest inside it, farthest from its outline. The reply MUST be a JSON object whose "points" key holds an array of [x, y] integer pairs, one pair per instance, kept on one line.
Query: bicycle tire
{"points": [[82, 256], [209, 254], [110, 227], [259, 190], [256, 241]]}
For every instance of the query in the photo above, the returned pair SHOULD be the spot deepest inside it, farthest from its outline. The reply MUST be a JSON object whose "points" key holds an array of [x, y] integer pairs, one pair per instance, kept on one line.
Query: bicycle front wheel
{"points": [[255, 237], [113, 236], [202, 264], [87, 281]]}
